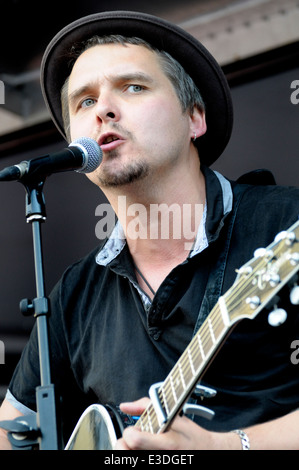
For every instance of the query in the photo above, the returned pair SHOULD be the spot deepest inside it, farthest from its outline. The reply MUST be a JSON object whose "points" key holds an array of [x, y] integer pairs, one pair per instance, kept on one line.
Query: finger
{"points": [[121, 445], [136, 407], [140, 440], [137, 440]]}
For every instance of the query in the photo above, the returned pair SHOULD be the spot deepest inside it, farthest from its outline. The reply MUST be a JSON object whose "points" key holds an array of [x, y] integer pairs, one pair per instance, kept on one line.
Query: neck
{"points": [[161, 216], [161, 219]]}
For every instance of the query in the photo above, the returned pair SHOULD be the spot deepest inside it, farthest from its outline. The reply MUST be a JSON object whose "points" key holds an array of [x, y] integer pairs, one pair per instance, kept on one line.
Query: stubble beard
{"points": [[127, 174]]}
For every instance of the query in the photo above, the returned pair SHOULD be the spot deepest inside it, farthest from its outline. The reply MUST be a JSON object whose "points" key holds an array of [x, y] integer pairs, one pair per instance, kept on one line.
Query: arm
{"points": [[7, 412], [282, 433]]}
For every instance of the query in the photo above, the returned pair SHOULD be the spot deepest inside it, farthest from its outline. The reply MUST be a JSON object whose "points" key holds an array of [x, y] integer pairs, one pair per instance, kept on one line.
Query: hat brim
{"points": [[189, 52]]}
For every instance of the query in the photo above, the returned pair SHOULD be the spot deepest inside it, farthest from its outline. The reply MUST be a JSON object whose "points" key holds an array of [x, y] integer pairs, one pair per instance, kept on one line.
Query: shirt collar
{"points": [[219, 204]]}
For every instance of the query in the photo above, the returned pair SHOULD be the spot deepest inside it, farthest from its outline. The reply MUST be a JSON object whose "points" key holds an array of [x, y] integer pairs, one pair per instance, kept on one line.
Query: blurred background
{"points": [[257, 44]]}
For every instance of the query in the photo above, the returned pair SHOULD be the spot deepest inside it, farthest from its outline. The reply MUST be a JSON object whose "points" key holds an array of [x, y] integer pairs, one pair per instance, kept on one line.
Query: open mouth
{"points": [[109, 139]]}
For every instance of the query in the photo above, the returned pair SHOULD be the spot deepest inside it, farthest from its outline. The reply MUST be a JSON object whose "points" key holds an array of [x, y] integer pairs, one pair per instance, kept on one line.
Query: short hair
{"points": [[185, 88]]}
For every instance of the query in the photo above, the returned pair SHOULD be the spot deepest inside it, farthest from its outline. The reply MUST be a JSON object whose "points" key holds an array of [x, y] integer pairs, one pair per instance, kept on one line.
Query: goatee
{"points": [[127, 174]]}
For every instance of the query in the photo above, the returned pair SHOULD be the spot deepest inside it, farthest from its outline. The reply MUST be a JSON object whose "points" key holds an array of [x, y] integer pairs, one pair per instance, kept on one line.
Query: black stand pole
{"points": [[26, 432]]}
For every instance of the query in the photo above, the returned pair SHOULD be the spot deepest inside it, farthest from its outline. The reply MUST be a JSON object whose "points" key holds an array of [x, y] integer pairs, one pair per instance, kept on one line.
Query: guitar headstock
{"points": [[260, 280]]}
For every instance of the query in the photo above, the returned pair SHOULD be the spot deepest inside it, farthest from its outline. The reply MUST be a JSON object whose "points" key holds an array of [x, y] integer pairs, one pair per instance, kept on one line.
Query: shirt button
{"points": [[155, 333]]}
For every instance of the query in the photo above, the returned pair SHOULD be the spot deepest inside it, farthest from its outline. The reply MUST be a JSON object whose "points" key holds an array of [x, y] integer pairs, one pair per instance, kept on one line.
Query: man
{"points": [[122, 317]]}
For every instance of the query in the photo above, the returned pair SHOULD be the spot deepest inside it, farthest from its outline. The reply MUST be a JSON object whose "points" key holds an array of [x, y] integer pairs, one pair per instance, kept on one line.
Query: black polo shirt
{"points": [[109, 343]]}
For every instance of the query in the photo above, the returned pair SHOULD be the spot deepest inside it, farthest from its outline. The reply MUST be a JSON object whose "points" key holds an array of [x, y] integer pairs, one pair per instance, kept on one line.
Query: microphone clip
{"points": [[35, 200]]}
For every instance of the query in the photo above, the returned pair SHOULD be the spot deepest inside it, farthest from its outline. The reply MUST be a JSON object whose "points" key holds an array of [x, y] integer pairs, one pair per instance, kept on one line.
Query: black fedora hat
{"points": [[192, 55]]}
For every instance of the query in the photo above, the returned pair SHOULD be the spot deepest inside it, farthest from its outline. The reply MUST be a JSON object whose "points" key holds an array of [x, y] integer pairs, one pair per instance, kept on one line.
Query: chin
{"points": [[126, 176]]}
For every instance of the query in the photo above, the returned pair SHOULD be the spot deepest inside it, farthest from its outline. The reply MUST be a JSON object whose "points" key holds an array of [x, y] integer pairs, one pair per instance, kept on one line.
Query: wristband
{"points": [[244, 439]]}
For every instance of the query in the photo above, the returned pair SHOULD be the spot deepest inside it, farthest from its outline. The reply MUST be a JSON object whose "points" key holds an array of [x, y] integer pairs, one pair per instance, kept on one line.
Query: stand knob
{"points": [[26, 307]]}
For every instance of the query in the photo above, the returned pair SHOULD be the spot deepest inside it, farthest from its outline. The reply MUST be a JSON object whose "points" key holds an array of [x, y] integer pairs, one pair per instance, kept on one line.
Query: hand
{"points": [[183, 434]]}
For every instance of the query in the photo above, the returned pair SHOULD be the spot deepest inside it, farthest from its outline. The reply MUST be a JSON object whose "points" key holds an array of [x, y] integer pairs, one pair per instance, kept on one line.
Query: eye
{"points": [[87, 103], [135, 88]]}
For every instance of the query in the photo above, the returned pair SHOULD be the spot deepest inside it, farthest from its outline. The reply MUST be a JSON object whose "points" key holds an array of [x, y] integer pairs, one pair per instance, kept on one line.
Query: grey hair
{"points": [[186, 90]]}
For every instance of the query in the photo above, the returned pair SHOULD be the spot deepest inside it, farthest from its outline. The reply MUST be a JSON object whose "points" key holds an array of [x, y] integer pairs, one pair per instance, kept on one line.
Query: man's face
{"points": [[119, 96]]}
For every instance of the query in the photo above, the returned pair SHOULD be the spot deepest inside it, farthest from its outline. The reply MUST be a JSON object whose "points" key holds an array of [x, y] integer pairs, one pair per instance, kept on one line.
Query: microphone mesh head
{"points": [[92, 154]]}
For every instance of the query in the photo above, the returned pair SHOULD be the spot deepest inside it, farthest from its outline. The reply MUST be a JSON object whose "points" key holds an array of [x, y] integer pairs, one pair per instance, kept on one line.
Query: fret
{"points": [[219, 327], [150, 424], [191, 361], [197, 356], [169, 395], [254, 279], [181, 379], [181, 374], [178, 379], [208, 343], [173, 388], [148, 421], [188, 371], [200, 347], [217, 323], [165, 400], [223, 311], [211, 330], [142, 422]]}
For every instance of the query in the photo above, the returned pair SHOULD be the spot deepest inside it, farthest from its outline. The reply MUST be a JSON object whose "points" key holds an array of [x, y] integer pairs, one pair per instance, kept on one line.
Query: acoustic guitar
{"points": [[256, 286]]}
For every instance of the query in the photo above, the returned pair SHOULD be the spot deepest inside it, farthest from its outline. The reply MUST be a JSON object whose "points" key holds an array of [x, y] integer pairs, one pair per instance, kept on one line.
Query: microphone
{"points": [[83, 155]]}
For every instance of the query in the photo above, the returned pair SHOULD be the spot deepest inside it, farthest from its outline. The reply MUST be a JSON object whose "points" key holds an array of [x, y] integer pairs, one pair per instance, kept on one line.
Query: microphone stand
{"points": [[26, 432]]}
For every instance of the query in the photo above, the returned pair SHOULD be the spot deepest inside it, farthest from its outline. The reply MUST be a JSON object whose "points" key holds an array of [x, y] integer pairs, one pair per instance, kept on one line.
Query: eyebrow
{"points": [[126, 77], [75, 95]]}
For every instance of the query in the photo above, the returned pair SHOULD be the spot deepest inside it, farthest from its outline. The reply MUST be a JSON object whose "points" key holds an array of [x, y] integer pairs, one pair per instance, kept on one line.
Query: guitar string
{"points": [[184, 359], [277, 250], [166, 391], [229, 301], [175, 373], [247, 280], [205, 333], [280, 248], [166, 388]]}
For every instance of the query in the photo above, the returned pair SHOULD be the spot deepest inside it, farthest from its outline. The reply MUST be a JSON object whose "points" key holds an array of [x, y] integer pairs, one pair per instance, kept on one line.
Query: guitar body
{"points": [[97, 429]]}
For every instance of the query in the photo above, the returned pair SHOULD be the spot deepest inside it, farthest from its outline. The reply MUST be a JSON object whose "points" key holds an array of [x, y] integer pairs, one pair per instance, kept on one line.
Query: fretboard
{"points": [[257, 283], [182, 379]]}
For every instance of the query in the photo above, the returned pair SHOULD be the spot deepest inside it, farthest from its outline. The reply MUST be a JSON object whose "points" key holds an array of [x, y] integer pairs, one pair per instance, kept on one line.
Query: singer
{"points": [[158, 105]]}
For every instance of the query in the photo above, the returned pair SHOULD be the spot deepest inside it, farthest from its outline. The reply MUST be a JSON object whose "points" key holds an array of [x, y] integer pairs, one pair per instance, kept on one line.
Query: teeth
{"points": [[110, 139]]}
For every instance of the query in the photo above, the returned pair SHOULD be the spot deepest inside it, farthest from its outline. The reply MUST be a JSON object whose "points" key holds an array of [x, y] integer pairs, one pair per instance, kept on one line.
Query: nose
{"points": [[107, 108]]}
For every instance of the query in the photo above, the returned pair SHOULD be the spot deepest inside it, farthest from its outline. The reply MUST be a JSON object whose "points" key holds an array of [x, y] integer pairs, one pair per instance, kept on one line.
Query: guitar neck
{"points": [[258, 282], [182, 379]]}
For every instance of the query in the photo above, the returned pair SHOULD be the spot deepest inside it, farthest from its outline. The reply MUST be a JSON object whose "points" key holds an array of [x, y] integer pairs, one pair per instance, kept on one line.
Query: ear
{"points": [[198, 126]]}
